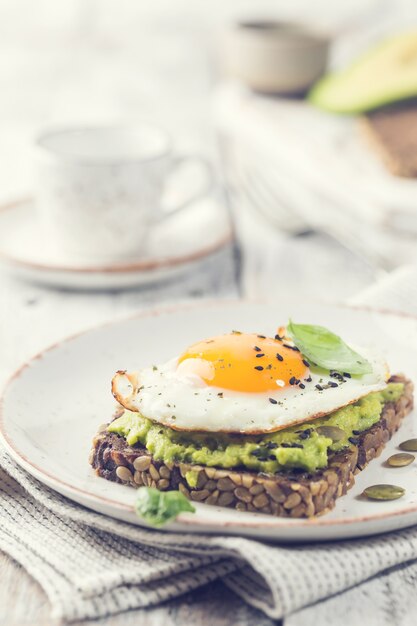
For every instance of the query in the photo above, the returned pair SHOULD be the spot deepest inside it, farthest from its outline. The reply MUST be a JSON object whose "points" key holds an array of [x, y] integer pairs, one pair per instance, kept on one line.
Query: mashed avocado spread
{"points": [[300, 446]]}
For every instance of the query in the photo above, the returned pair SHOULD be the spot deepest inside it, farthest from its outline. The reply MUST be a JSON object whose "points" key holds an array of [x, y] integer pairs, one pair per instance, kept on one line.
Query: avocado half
{"points": [[385, 74]]}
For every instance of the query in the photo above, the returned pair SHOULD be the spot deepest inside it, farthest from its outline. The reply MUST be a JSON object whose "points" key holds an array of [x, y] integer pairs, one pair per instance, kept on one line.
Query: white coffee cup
{"points": [[99, 189]]}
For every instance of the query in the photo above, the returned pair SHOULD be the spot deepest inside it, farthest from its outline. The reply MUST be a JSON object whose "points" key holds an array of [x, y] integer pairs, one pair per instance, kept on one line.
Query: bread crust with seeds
{"points": [[285, 494]]}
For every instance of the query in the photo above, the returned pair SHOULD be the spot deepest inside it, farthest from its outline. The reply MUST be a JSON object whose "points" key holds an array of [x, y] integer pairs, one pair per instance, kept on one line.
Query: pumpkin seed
{"points": [[410, 445], [332, 432], [384, 492], [401, 459]]}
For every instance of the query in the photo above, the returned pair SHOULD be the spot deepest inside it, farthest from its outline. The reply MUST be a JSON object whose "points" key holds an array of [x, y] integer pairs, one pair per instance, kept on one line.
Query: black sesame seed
{"points": [[287, 345], [273, 401], [305, 434], [319, 387], [259, 368], [356, 432], [257, 348], [279, 357], [297, 445], [354, 440], [306, 363], [332, 384], [220, 394], [336, 375], [302, 386], [261, 336], [259, 355], [285, 445], [261, 454], [293, 380], [271, 445], [308, 380], [278, 338], [347, 375]]}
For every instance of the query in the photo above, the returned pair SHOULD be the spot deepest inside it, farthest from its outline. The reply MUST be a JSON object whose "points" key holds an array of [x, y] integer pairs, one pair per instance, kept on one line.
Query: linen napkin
{"points": [[92, 566]]}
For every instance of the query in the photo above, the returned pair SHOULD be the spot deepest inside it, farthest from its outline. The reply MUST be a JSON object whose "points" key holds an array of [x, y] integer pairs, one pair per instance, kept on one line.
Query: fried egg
{"points": [[242, 383]]}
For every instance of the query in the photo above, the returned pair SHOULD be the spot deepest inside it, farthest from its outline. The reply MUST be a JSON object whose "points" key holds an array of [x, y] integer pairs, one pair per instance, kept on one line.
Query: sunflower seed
{"points": [[124, 473], [141, 463]]}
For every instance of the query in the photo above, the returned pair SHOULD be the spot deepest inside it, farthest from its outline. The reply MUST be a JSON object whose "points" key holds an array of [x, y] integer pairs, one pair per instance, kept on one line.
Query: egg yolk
{"points": [[244, 362]]}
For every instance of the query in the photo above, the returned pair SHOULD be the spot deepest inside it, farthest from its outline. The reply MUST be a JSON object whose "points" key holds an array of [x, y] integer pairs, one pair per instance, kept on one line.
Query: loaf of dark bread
{"points": [[392, 133]]}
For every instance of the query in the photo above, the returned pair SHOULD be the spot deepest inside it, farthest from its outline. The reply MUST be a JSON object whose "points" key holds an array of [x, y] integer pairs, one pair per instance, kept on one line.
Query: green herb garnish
{"points": [[160, 507], [327, 350]]}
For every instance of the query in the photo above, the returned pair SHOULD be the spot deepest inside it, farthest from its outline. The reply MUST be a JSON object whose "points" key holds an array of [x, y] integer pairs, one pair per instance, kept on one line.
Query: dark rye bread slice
{"points": [[286, 494], [392, 133]]}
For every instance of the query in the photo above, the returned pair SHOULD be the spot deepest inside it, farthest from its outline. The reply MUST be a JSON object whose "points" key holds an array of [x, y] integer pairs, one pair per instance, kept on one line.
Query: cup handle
{"points": [[178, 161]]}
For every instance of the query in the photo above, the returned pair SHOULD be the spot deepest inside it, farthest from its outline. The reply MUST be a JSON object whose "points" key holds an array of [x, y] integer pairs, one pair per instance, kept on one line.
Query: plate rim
{"points": [[114, 269], [184, 519]]}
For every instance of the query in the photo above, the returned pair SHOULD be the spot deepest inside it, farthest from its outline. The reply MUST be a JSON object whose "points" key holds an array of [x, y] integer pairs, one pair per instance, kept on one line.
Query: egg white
{"points": [[175, 397]]}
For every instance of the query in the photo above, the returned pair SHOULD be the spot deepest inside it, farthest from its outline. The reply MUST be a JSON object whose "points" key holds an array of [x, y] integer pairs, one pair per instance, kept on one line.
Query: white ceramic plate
{"points": [[171, 248], [53, 405]]}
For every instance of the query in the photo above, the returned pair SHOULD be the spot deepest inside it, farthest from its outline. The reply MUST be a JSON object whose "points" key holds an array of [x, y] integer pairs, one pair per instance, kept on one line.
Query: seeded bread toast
{"points": [[285, 494]]}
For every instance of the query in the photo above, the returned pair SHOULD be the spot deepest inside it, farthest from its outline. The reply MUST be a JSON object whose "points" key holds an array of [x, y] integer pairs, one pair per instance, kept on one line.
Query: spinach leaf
{"points": [[325, 349], [160, 507]]}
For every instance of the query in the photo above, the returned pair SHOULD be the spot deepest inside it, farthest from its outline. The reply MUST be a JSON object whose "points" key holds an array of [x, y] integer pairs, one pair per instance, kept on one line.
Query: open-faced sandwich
{"points": [[277, 425]]}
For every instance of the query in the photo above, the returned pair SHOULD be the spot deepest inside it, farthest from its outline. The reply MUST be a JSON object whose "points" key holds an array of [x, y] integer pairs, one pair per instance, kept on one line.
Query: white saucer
{"points": [[172, 247]]}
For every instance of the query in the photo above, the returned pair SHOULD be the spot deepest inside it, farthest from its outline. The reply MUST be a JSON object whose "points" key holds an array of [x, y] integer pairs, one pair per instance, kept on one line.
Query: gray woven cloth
{"points": [[92, 566]]}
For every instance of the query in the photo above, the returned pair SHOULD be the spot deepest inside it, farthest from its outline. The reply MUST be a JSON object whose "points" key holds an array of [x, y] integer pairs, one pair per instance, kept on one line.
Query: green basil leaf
{"points": [[322, 347], [159, 507]]}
